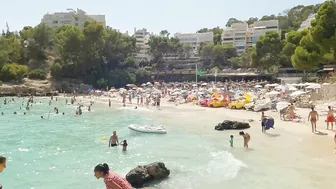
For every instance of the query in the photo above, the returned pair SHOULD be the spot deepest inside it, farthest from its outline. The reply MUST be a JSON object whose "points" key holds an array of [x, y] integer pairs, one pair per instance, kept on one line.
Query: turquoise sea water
{"points": [[62, 150]]}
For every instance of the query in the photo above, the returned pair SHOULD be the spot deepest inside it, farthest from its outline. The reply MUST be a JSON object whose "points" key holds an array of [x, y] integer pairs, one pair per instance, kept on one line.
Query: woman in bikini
{"points": [[246, 137], [112, 180], [2, 166]]}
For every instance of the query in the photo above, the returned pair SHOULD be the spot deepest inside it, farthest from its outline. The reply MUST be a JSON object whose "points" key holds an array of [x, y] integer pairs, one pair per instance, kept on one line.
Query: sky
{"points": [[184, 16]]}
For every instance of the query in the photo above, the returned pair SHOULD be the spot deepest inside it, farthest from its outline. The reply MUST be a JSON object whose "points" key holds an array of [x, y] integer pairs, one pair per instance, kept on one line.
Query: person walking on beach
{"points": [[114, 141], [313, 118], [2, 166], [110, 103], [291, 112], [263, 122], [124, 98], [112, 180], [246, 137], [330, 118]]}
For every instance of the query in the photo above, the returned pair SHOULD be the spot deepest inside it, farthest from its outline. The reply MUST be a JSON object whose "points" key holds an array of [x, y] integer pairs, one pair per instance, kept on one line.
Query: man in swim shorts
{"points": [[114, 141], [313, 118], [330, 118]]}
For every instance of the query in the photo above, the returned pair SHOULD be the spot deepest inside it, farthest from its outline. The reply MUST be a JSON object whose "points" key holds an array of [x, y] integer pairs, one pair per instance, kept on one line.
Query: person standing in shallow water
{"points": [[2, 166], [246, 137], [112, 180], [114, 141]]}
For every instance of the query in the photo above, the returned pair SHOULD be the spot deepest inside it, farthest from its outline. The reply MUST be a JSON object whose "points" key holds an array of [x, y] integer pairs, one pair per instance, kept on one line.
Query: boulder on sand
{"points": [[143, 174], [232, 125]]}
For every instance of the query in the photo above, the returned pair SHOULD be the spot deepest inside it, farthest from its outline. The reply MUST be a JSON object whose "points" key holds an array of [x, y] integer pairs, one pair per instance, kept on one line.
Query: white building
{"points": [[142, 38], [306, 24], [236, 35], [72, 17], [261, 27], [195, 39]]}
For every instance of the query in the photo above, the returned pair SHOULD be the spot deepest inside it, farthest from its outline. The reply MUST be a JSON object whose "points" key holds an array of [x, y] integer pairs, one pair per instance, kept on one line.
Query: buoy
{"points": [[104, 138]]}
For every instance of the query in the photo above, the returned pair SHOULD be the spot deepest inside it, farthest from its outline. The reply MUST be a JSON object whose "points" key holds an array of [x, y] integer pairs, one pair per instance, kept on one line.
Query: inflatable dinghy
{"points": [[148, 128]]}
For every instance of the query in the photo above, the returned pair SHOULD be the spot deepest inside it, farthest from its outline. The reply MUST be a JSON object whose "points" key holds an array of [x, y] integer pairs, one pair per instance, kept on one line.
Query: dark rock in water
{"points": [[141, 175], [230, 125]]}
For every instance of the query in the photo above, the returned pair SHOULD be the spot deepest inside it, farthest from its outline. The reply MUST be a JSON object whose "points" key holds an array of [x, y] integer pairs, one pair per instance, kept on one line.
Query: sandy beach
{"points": [[290, 145]]}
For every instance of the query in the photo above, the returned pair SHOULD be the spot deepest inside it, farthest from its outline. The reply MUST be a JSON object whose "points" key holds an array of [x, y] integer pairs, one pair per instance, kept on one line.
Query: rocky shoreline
{"points": [[41, 87]]}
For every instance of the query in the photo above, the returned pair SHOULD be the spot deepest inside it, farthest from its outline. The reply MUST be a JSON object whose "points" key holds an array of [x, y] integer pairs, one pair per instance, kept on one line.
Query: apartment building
{"points": [[72, 17], [236, 35], [194, 39], [261, 27], [142, 38], [306, 24]]}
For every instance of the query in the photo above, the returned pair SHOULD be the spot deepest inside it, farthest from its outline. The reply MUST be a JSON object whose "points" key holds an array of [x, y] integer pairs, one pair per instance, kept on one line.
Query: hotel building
{"points": [[195, 39], [72, 17], [142, 38]]}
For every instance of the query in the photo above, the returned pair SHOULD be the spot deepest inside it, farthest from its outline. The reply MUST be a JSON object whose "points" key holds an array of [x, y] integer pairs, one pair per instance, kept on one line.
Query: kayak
{"points": [[148, 128]]}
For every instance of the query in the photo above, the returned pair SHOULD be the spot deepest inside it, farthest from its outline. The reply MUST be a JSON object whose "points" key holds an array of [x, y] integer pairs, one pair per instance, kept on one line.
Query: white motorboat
{"points": [[160, 129]]}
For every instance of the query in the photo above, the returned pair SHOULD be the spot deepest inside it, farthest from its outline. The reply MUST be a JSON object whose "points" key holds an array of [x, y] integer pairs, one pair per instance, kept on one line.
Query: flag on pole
{"points": [[199, 73]]}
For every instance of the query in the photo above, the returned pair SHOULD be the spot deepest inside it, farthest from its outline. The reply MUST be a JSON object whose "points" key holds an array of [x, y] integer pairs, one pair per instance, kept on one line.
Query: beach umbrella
{"points": [[194, 85], [291, 88], [176, 93], [274, 85], [325, 84], [204, 84], [258, 86], [314, 86], [273, 93], [297, 93]]}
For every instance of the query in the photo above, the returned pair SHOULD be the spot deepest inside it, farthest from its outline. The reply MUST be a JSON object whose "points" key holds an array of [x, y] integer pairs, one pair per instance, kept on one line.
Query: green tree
{"points": [[231, 21], [324, 27], [251, 20], [268, 50], [13, 71]]}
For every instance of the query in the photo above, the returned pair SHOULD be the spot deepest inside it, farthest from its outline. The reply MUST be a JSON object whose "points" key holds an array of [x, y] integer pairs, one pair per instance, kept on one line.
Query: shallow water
{"points": [[61, 151]]}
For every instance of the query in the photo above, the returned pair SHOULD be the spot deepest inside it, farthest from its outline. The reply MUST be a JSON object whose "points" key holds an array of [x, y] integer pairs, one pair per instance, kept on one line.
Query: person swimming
{"points": [[124, 145], [42, 117]]}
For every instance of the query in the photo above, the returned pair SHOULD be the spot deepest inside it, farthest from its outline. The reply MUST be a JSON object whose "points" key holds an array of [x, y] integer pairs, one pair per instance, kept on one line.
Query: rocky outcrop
{"points": [[143, 174], [232, 125]]}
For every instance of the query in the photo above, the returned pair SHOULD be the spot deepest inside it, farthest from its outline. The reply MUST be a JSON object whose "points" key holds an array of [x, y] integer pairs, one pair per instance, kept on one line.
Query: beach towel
{"points": [[269, 123]]}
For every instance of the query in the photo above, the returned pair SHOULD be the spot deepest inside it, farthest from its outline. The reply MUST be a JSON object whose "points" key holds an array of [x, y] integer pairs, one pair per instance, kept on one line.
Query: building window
{"points": [[55, 22]]}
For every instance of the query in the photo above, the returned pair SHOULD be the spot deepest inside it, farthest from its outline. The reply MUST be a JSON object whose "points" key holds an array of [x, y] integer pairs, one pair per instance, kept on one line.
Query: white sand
{"points": [[290, 151]]}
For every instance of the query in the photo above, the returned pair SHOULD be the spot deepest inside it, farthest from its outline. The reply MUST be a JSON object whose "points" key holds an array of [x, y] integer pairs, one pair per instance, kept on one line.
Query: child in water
{"points": [[124, 145], [231, 140]]}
